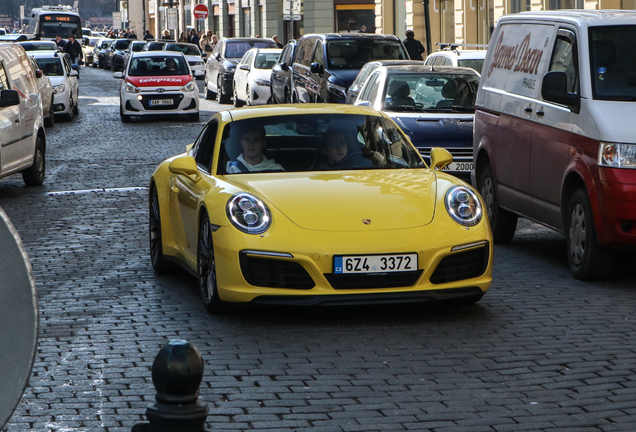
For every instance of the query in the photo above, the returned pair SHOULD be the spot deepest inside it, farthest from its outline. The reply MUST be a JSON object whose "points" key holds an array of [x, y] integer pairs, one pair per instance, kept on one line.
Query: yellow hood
{"points": [[344, 201]]}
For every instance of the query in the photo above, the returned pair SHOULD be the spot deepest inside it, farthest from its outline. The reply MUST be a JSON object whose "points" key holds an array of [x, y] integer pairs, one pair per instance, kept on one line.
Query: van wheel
{"points": [[502, 222], [34, 175], [588, 259]]}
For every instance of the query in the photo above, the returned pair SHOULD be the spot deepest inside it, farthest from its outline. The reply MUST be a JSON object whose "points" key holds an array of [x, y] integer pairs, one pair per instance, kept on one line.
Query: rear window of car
{"points": [[266, 60], [239, 48], [122, 44], [475, 64], [185, 49], [354, 53]]}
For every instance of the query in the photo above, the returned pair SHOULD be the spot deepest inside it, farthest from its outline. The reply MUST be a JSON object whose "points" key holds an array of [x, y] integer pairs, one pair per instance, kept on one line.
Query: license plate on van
{"points": [[459, 166]]}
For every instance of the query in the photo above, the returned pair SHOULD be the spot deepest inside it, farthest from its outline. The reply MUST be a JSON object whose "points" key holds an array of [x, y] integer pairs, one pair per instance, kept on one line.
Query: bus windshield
{"points": [[64, 25]]}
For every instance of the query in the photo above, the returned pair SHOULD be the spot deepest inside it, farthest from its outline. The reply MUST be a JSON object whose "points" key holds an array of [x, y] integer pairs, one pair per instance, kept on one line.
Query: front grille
{"points": [[462, 265], [175, 98], [274, 273], [460, 154], [370, 281]]}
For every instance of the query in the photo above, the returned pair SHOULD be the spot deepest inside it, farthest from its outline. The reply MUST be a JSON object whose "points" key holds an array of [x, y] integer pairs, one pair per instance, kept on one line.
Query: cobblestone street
{"points": [[541, 351]]}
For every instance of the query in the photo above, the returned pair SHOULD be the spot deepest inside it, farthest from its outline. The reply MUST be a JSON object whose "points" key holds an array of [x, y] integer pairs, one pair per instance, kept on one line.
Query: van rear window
{"points": [[613, 60]]}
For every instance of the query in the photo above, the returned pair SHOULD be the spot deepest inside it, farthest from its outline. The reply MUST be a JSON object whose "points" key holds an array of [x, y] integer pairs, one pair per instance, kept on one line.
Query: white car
{"points": [[157, 82], [252, 76], [46, 92], [449, 55], [63, 79], [39, 45], [192, 54]]}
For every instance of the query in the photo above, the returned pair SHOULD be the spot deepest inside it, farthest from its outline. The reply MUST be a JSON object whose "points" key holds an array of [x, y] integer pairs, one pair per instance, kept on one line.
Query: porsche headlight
{"points": [[261, 82], [131, 88], [617, 155], [59, 89], [189, 87], [463, 205], [248, 213]]}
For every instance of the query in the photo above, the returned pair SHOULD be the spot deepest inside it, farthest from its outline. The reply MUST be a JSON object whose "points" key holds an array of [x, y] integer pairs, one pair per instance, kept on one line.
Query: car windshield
{"points": [[266, 60], [238, 48], [612, 62], [315, 142], [158, 65], [51, 66], [122, 44], [39, 46], [430, 92], [186, 49], [475, 64], [52, 25], [354, 53]]}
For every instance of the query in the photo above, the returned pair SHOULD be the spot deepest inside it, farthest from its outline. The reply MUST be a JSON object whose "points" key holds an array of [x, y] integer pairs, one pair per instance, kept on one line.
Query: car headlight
{"points": [[261, 82], [463, 205], [248, 213], [337, 90], [189, 87], [617, 155], [59, 88], [131, 88]]}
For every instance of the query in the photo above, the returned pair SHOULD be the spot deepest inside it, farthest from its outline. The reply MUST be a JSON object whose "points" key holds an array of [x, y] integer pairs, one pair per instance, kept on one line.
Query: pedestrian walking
{"points": [[148, 35], [413, 46], [214, 41], [277, 42], [61, 43], [73, 49], [194, 37], [166, 35], [363, 29], [204, 44], [132, 35]]}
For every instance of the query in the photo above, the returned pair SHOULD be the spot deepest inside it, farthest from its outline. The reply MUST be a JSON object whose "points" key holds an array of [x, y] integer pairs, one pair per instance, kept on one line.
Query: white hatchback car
{"points": [[157, 82], [449, 55], [63, 80], [252, 76], [192, 54]]}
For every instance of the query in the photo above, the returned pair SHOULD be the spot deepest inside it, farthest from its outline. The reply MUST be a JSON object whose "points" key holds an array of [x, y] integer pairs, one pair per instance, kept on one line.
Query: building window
{"points": [[566, 4], [517, 6]]}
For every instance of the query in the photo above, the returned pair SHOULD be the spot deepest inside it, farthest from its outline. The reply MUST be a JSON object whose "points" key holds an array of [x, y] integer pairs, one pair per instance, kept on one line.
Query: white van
{"points": [[555, 131], [22, 137]]}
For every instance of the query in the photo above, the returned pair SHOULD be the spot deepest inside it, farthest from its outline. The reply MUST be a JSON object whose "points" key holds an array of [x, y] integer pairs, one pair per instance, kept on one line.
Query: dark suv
{"points": [[325, 65], [221, 65]]}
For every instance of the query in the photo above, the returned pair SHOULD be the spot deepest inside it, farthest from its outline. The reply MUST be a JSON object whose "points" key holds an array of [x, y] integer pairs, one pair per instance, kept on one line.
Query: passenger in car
{"points": [[252, 158]]}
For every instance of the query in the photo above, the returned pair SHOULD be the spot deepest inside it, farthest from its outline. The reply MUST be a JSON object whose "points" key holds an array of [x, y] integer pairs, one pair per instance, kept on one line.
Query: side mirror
{"points": [[554, 89], [245, 67], [217, 56], [9, 98], [185, 165], [316, 68], [284, 66], [75, 67], [440, 158], [118, 75], [364, 104], [38, 73], [127, 51], [73, 73]]}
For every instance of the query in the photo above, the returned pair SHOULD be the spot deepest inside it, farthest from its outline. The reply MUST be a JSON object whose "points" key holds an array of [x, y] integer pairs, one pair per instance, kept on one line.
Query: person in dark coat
{"points": [[73, 49], [413, 46], [61, 43], [148, 35]]}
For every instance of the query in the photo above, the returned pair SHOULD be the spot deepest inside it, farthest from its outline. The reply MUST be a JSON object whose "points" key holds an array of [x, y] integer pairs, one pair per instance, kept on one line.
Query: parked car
{"points": [[388, 228], [22, 135], [366, 70], [251, 79], [192, 53], [99, 52], [155, 45], [449, 55], [157, 82], [135, 46], [46, 93], [281, 78], [87, 49], [325, 65], [114, 57], [221, 64], [63, 78], [435, 107], [40, 45], [555, 138]]}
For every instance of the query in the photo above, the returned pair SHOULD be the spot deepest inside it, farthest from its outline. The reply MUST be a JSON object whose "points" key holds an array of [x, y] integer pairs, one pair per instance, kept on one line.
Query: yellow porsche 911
{"points": [[318, 204]]}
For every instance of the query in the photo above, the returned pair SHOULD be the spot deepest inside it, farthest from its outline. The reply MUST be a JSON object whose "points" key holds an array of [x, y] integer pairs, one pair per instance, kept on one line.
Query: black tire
{"points": [[237, 103], [502, 222], [124, 117], [34, 175], [94, 64], [71, 112], [76, 107], [159, 264], [223, 98], [248, 98], [588, 259], [194, 117], [101, 62], [50, 120], [206, 269], [209, 94], [287, 97]]}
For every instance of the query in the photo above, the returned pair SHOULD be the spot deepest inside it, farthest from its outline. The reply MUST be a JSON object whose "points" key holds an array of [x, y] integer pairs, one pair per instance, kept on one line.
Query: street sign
{"points": [[173, 21], [18, 319], [117, 20], [200, 12]]}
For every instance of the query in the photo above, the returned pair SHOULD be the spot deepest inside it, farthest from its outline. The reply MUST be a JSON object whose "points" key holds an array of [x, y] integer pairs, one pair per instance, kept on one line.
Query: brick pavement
{"points": [[540, 352]]}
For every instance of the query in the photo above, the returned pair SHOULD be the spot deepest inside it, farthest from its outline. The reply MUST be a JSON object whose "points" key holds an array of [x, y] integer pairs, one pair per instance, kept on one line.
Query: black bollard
{"points": [[176, 374]]}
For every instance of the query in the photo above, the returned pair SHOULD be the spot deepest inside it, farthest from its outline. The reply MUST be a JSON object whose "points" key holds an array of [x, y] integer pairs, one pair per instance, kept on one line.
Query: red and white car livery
{"points": [[157, 83]]}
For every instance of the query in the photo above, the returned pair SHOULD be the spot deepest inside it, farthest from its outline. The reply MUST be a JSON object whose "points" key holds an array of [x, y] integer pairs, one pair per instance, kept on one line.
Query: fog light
{"points": [[139, 97], [627, 225]]}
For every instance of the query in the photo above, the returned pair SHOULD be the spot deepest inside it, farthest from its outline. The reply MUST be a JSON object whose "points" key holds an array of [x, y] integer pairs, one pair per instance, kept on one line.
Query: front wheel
{"points": [[34, 175], [223, 98], [157, 259], [206, 268], [71, 111], [124, 117], [237, 102], [588, 259], [502, 222], [50, 120]]}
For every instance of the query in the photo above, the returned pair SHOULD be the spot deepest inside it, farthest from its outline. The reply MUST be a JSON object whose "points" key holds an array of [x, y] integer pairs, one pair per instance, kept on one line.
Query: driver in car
{"points": [[252, 159], [334, 149]]}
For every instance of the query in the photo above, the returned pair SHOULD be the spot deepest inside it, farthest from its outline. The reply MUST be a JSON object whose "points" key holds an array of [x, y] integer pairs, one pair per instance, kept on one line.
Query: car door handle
{"points": [[540, 113], [17, 119], [528, 109]]}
